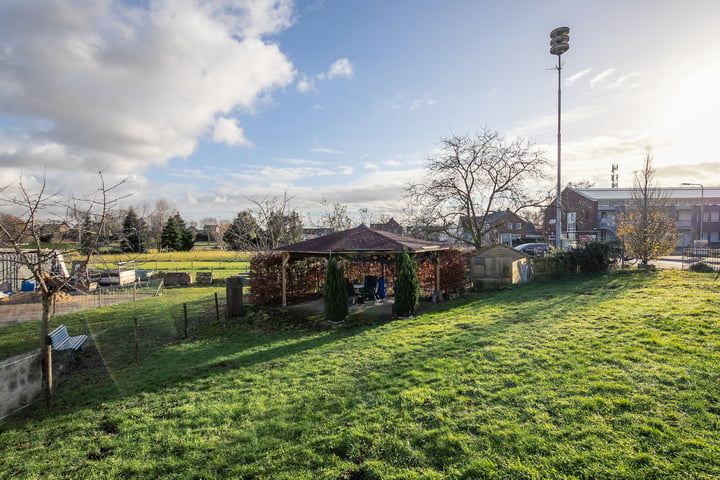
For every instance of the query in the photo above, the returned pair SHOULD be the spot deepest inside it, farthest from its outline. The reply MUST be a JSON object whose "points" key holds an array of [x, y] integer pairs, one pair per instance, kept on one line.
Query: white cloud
{"points": [[228, 131], [577, 76], [601, 78], [341, 68], [400, 102], [330, 151], [127, 86], [305, 85]]}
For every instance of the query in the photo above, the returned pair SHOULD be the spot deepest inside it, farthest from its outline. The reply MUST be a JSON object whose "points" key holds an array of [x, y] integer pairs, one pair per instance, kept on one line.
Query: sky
{"points": [[214, 104]]}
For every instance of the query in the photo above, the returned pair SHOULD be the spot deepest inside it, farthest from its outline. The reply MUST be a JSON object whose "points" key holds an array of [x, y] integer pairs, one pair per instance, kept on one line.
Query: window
{"points": [[509, 226], [571, 225], [518, 226]]}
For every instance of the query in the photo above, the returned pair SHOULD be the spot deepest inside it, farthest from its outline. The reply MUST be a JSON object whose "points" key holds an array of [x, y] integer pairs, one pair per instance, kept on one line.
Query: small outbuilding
{"points": [[498, 266]]}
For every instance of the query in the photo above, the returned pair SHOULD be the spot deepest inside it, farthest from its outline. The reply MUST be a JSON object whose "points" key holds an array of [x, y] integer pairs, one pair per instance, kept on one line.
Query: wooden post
{"points": [[217, 308], [137, 340], [285, 259], [185, 316], [437, 276], [134, 291], [49, 372]]}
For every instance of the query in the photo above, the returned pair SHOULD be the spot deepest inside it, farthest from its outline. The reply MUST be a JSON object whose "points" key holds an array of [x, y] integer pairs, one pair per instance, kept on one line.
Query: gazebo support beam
{"points": [[437, 276], [285, 260]]}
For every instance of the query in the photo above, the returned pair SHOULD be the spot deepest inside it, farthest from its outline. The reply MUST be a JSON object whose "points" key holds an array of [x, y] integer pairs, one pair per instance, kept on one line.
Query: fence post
{"points": [[137, 341], [134, 291], [49, 372], [217, 308], [185, 316]]}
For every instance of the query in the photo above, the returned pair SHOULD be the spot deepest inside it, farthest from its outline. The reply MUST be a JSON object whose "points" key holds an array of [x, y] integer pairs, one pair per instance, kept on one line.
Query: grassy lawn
{"points": [[221, 263], [607, 377]]}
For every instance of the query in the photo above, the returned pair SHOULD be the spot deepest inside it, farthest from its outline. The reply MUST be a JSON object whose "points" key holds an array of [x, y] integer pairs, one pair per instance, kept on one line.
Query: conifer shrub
{"points": [[335, 292], [407, 288]]}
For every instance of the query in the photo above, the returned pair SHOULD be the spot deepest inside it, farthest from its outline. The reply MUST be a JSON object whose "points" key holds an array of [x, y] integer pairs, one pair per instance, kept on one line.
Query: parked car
{"points": [[533, 249]]}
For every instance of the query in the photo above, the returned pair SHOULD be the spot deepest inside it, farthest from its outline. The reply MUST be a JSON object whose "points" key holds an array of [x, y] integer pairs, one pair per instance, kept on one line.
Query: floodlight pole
{"points": [[559, 39], [558, 201]]}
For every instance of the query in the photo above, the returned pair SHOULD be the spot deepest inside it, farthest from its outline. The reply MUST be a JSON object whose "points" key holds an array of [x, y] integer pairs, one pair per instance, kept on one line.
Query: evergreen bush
{"points": [[407, 288], [701, 267], [335, 292]]}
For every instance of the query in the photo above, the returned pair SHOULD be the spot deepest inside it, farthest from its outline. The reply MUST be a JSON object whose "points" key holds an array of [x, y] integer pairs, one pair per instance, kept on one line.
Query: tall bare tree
{"points": [[335, 216], [33, 207], [471, 178], [270, 224], [646, 229], [157, 215]]}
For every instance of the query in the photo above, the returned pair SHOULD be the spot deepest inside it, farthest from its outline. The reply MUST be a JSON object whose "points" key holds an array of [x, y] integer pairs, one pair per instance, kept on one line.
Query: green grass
{"points": [[609, 377], [222, 263]]}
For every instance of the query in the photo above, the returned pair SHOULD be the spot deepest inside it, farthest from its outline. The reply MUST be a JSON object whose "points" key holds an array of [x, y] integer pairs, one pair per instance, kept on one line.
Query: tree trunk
{"points": [[46, 348]]}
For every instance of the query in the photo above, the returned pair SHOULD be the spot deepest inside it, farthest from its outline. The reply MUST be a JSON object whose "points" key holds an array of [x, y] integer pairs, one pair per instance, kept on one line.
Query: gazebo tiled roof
{"points": [[361, 239]]}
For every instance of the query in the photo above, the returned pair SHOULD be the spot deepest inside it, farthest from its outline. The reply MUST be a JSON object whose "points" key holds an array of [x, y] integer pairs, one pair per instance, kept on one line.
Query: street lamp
{"points": [[702, 202], [559, 39]]}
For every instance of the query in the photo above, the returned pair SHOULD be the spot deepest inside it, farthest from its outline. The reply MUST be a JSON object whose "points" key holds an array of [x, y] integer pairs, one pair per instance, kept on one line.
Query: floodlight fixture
{"points": [[559, 44]]}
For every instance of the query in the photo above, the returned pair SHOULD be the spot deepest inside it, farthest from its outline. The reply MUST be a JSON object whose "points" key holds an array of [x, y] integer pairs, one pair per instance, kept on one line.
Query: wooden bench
{"points": [[61, 340]]}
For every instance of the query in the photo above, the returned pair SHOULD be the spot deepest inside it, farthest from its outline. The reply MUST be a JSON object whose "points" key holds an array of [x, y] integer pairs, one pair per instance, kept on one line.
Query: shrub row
{"points": [[590, 257]]}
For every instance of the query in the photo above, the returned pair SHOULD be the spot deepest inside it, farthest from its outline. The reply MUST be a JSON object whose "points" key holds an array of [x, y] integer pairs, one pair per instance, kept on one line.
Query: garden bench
{"points": [[60, 339]]}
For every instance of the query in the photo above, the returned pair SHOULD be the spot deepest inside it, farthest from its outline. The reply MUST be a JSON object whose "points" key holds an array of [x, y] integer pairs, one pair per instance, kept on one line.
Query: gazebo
{"points": [[360, 243]]}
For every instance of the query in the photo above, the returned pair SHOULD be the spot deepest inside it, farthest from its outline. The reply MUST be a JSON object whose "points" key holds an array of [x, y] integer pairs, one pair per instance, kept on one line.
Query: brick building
{"points": [[591, 213]]}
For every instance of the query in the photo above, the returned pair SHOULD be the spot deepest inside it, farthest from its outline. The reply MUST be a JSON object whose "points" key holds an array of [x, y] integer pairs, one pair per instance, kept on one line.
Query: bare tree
{"points": [[223, 226], [645, 228], [471, 178], [335, 216], [157, 215], [581, 184], [271, 224], [365, 215], [31, 207], [279, 224]]}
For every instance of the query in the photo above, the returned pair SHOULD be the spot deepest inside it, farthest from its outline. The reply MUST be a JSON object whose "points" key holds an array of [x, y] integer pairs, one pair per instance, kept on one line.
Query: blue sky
{"points": [[210, 103]]}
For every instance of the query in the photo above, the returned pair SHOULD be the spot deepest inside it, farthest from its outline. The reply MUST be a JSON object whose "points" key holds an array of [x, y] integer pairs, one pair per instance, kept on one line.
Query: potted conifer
{"points": [[407, 286], [335, 292]]}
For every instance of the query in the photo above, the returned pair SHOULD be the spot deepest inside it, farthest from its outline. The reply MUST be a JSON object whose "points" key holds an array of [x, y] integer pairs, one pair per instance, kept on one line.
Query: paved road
{"points": [[670, 261]]}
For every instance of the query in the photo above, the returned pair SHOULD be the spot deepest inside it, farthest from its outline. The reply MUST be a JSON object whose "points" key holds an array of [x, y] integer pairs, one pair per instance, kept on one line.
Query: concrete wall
{"points": [[20, 381]]}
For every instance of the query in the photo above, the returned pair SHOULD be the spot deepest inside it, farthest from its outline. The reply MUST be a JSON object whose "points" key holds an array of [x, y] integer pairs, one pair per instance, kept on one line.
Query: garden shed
{"points": [[497, 266], [359, 244]]}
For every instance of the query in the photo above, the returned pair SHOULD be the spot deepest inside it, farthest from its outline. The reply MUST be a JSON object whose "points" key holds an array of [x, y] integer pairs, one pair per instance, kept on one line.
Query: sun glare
{"points": [[688, 126]]}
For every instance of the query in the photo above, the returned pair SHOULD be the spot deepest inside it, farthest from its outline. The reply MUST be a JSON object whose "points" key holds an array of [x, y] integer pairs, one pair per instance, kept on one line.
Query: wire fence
{"points": [[109, 295], [699, 258], [144, 331]]}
